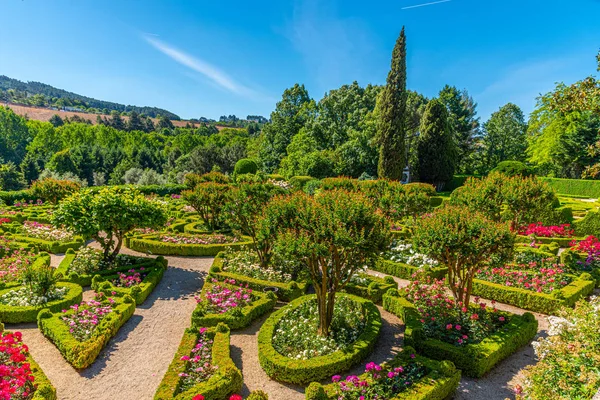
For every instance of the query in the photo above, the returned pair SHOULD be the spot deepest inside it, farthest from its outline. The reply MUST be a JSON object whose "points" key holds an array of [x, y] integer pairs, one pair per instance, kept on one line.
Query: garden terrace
{"points": [[184, 244]]}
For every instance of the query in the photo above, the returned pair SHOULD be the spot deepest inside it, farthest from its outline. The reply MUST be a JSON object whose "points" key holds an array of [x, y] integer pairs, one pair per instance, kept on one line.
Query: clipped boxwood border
{"points": [[374, 290], [227, 379], [86, 279], [83, 354], [148, 244], [561, 241], [264, 303], [41, 260], [287, 291], [543, 303], [473, 359], [139, 293], [405, 271], [46, 245], [19, 314], [284, 369], [440, 383]]}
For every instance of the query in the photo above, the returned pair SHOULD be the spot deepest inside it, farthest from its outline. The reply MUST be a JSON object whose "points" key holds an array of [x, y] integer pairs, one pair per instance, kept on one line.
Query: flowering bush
{"points": [[130, 279], [538, 229], [381, 382], [199, 367], [449, 321], [591, 246], [4, 221], [219, 299], [403, 252], [568, 358], [17, 380], [30, 203], [246, 262], [46, 232], [198, 239], [541, 280], [84, 318], [24, 296], [14, 263], [296, 336]]}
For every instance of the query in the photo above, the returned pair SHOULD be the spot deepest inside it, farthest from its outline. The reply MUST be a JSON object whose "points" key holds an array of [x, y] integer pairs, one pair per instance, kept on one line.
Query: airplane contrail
{"points": [[425, 4]]}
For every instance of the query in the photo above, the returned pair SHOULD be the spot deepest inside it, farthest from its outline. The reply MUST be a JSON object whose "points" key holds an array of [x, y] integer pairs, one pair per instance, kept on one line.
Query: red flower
{"points": [[198, 397], [235, 397]]}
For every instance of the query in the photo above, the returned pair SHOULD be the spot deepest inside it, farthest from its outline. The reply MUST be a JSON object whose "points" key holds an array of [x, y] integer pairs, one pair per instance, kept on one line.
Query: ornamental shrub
{"points": [[298, 182], [245, 166], [208, 199], [342, 182], [513, 168], [528, 200], [463, 241], [192, 180], [53, 190], [483, 195], [107, 215]]}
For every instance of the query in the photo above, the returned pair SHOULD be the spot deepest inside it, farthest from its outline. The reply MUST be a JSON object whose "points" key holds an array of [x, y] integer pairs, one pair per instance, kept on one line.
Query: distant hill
{"points": [[42, 95]]}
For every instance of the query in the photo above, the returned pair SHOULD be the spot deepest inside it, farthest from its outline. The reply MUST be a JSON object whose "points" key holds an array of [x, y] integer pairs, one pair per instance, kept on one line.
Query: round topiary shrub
{"points": [[245, 166], [513, 168]]}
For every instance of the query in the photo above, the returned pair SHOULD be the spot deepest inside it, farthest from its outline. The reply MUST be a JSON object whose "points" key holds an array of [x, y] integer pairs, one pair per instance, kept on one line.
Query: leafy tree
{"points": [[392, 116], [164, 123], [56, 121], [208, 199], [415, 108], [436, 150], [61, 162], [116, 121], [53, 190], [333, 234], [14, 136], [463, 241], [505, 136], [528, 200], [10, 177], [135, 123], [108, 215], [482, 195]]}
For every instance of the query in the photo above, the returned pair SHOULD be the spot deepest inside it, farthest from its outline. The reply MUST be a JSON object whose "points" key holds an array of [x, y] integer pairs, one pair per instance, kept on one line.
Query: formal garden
{"points": [[304, 289]]}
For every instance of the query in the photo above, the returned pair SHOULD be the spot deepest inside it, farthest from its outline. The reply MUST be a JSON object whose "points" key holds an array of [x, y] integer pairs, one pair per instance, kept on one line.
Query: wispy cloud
{"points": [[425, 4], [213, 73]]}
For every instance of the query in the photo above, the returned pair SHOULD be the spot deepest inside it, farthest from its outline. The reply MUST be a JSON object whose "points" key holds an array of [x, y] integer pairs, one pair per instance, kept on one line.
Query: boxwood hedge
{"points": [[150, 244], [286, 291], [54, 247], [83, 354], [138, 292], [226, 380], [290, 370], [473, 359], [406, 271], [561, 241], [440, 382], [19, 314], [239, 317], [371, 287]]}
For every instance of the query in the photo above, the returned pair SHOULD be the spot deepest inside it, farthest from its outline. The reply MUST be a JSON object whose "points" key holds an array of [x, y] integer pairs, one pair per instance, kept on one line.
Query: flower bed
{"points": [[301, 371], [402, 261], [14, 262], [474, 359], [412, 377], [17, 314], [370, 287], [231, 304], [153, 244], [225, 379], [81, 332], [81, 267], [540, 230], [286, 291], [137, 282], [44, 236], [22, 376]]}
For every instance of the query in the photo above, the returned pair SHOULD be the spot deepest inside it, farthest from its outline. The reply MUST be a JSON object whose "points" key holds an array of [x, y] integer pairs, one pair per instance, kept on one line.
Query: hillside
{"points": [[43, 95]]}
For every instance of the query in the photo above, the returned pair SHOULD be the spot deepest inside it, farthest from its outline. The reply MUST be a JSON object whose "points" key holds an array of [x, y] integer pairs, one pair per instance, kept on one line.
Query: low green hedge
{"points": [[138, 292], [440, 383], [19, 314], [588, 225], [574, 187], [226, 380], [83, 354], [286, 291], [290, 370], [54, 247], [149, 244], [543, 303], [86, 279], [561, 241], [406, 271], [41, 260], [11, 197], [570, 257], [473, 359], [237, 318], [373, 289]]}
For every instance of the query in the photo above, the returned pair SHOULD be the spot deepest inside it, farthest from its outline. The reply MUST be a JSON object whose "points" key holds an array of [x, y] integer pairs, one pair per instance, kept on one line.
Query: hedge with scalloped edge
{"points": [[440, 383], [285, 369], [19, 314], [287, 291], [83, 354], [473, 359], [150, 244], [239, 317], [373, 289], [226, 380], [406, 271], [41, 260], [138, 292]]}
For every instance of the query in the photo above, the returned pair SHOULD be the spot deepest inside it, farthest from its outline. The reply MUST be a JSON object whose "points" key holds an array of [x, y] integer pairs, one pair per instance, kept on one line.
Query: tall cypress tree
{"points": [[436, 149], [392, 116]]}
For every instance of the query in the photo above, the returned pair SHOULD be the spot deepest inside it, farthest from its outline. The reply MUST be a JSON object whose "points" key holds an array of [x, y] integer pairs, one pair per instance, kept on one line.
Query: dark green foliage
{"points": [[14, 136], [505, 136], [512, 168], [245, 166], [392, 114], [11, 178], [574, 187], [298, 182], [56, 121]]}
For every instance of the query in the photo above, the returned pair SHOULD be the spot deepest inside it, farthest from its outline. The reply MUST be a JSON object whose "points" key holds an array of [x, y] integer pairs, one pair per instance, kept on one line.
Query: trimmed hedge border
{"points": [[149, 244], [374, 290], [42, 260], [139, 293], [533, 301], [284, 369], [440, 383], [561, 241], [227, 379], [287, 291], [574, 187], [239, 317], [475, 360], [83, 354], [406, 271], [86, 280], [19, 314], [54, 247]]}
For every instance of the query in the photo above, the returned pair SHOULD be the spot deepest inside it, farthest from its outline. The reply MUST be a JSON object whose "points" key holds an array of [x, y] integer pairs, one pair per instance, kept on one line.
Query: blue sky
{"points": [[200, 58]]}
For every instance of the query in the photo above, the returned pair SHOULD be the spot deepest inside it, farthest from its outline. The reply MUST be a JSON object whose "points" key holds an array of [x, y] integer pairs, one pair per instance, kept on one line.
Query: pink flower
{"points": [[449, 326]]}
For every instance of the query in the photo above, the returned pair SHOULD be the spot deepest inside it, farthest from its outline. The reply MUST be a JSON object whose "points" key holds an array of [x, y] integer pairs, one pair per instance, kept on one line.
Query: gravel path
{"points": [[132, 365]]}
